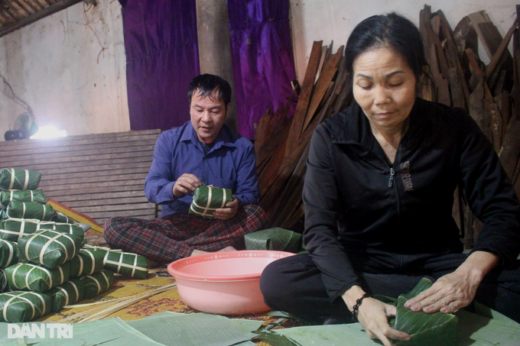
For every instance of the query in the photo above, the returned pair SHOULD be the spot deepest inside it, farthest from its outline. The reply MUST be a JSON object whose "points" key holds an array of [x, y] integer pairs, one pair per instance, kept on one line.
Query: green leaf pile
{"points": [[276, 238], [437, 329]]}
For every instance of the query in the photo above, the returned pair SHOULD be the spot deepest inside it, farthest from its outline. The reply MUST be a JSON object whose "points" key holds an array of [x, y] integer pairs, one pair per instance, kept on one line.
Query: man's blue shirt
{"points": [[230, 163]]}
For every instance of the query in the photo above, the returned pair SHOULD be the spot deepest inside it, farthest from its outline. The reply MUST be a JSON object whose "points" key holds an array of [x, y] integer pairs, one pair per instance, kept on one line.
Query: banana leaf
{"points": [[49, 248], [424, 329], [30, 210], [9, 253], [63, 228], [3, 280], [27, 276], [69, 293], [274, 239], [23, 306], [125, 263], [86, 263], [14, 229], [22, 196], [19, 179], [207, 199], [61, 218], [96, 284]]}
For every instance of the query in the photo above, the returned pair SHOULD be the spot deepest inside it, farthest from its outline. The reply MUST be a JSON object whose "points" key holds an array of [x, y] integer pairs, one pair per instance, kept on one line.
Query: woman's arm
{"points": [[455, 290]]}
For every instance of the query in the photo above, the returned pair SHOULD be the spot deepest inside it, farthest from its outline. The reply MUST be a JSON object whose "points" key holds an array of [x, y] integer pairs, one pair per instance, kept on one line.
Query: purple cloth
{"points": [[162, 58], [230, 163], [263, 65]]}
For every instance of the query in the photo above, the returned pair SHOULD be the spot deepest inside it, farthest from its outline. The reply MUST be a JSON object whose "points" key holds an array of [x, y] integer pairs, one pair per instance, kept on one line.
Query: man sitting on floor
{"points": [[202, 151]]}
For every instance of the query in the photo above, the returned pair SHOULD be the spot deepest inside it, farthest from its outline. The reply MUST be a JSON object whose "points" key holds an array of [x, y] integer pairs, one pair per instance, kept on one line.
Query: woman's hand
{"points": [[373, 316], [455, 290]]}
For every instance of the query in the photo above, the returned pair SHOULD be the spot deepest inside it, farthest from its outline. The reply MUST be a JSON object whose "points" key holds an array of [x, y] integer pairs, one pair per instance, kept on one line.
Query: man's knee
{"points": [[256, 214], [112, 230]]}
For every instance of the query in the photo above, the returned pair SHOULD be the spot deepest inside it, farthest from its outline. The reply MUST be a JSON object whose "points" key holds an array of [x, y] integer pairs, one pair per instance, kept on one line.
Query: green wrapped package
{"points": [[69, 293], [14, 229], [49, 248], [18, 307], [207, 199], [19, 179], [61, 218], [27, 276], [63, 228], [96, 284], [125, 263], [86, 263], [36, 196], [9, 253], [30, 210], [3, 280]]}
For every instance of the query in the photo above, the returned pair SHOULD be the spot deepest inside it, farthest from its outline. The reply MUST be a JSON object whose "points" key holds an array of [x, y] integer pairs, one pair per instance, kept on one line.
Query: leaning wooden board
{"points": [[100, 175]]}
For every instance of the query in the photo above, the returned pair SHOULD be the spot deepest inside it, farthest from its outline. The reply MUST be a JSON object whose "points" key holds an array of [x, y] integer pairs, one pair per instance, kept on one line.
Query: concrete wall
{"points": [[315, 20], [69, 68]]}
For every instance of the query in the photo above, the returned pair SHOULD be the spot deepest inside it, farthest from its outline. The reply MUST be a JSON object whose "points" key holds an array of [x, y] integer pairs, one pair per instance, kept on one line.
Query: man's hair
{"points": [[206, 84]]}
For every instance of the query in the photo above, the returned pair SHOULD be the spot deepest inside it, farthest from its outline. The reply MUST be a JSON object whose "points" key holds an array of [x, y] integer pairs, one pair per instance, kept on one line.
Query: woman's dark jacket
{"points": [[355, 201]]}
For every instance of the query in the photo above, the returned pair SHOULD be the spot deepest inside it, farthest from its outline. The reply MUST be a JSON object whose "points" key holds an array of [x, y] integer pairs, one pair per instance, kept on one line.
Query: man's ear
{"points": [[228, 106]]}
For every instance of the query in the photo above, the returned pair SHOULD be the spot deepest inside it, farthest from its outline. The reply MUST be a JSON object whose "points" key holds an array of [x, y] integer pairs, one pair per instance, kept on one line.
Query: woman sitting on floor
{"points": [[378, 197]]}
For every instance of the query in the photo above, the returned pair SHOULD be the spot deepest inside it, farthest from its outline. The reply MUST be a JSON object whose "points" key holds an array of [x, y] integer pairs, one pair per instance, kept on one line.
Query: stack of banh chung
{"points": [[45, 263]]}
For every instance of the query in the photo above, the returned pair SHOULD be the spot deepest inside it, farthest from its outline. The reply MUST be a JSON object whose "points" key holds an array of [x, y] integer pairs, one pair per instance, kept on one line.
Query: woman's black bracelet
{"points": [[355, 308]]}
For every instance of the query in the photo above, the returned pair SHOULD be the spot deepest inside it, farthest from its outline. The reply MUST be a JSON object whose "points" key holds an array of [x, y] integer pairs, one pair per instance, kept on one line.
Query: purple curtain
{"points": [[263, 65], [162, 58]]}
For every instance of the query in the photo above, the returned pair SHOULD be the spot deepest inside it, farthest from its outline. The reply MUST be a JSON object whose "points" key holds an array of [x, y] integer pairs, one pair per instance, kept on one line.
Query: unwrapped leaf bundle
{"points": [[14, 229], [207, 199], [97, 283], [19, 179], [18, 307], [27, 276], [69, 293], [86, 263], [49, 248], [9, 253], [30, 210], [36, 196]]}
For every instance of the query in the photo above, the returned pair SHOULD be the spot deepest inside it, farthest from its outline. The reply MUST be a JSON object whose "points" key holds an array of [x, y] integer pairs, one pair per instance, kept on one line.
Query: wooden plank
{"points": [[465, 36], [91, 178], [67, 150], [66, 185], [495, 123], [264, 129], [101, 175], [121, 137], [110, 201], [93, 168], [57, 194], [304, 98], [128, 213], [100, 196], [502, 48], [323, 83], [117, 207]]}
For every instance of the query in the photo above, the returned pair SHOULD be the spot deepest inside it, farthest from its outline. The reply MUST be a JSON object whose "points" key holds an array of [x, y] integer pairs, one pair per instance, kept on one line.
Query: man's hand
{"points": [[187, 183], [228, 212], [373, 316], [455, 290]]}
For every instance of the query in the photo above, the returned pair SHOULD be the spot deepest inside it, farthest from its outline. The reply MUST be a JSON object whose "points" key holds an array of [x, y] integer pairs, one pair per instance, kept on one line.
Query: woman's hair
{"points": [[206, 84], [392, 31]]}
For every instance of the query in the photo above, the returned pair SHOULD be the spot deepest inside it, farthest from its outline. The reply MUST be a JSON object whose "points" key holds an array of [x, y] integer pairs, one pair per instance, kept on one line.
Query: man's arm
{"points": [[159, 183], [247, 181]]}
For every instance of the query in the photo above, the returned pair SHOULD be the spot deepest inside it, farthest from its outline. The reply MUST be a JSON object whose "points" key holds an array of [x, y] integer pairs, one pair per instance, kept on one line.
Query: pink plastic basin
{"points": [[226, 283]]}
